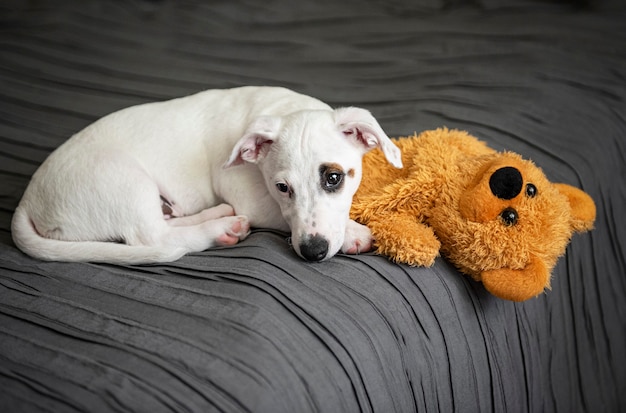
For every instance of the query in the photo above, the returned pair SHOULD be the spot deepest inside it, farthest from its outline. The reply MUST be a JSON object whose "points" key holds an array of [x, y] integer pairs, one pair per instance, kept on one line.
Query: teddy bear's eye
{"points": [[531, 190], [509, 217]]}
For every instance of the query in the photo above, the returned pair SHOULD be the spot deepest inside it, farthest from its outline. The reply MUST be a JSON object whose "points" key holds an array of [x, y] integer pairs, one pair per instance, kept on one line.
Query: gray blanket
{"points": [[253, 328]]}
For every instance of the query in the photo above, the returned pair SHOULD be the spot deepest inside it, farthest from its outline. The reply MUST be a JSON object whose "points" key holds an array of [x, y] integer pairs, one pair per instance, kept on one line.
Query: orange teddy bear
{"points": [[494, 215]]}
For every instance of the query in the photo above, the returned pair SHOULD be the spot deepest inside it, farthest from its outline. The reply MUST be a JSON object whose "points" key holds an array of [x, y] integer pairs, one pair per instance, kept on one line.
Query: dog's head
{"points": [[311, 163]]}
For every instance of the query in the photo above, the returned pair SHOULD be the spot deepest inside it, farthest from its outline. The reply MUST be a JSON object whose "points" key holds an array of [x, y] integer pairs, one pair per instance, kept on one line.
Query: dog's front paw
{"points": [[237, 229], [358, 238]]}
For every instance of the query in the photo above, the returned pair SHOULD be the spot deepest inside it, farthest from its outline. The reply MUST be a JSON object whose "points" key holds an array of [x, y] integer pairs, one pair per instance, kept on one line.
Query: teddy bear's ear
{"points": [[583, 207], [359, 124], [517, 285]]}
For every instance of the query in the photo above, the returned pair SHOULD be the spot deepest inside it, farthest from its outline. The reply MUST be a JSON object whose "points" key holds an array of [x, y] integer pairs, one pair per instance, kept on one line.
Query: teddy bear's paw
{"points": [[406, 241], [358, 238], [418, 254]]}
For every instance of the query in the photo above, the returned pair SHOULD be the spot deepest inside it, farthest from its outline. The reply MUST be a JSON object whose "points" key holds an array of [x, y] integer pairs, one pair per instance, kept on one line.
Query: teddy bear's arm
{"points": [[404, 240], [395, 215]]}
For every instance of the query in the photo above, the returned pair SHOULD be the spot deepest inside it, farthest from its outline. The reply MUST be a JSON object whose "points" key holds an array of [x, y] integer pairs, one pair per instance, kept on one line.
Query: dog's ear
{"points": [[255, 142], [360, 125]]}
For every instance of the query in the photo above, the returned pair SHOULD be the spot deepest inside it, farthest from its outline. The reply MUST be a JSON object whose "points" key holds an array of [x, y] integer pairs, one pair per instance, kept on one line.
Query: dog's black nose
{"points": [[314, 248], [506, 183]]}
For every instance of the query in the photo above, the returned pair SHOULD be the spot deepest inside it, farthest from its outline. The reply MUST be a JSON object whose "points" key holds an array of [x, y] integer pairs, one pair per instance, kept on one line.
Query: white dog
{"points": [[153, 182]]}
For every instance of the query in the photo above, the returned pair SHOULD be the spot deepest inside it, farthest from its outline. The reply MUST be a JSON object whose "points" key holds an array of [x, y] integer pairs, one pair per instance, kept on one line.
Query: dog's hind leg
{"points": [[156, 220], [235, 230], [226, 230], [219, 211]]}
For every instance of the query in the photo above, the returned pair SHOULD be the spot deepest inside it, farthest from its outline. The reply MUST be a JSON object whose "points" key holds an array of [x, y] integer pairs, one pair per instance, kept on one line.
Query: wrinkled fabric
{"points": [[253, 328]]}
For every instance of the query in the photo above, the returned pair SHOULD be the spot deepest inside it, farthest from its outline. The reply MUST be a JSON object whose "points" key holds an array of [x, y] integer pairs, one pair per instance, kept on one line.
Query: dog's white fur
{"points": [[153, 182]]}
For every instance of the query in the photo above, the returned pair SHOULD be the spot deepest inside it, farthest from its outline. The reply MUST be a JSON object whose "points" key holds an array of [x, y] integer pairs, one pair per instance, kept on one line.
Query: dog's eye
{"points": [[284, 188], [531, 190], [331, 177], [509, 217], [332, 181]]}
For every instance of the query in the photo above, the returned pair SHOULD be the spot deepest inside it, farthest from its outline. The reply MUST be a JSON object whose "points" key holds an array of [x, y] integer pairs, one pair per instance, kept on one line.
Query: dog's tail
{"points": [[32, 243]]}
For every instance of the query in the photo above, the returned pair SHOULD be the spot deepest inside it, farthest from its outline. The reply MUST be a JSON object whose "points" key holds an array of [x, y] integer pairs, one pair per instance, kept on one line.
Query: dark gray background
{"points": [[254, 328]]}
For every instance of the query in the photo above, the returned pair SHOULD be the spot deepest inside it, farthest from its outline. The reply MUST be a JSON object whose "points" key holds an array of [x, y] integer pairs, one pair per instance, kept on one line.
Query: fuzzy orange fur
{"points": [[441, 201]]}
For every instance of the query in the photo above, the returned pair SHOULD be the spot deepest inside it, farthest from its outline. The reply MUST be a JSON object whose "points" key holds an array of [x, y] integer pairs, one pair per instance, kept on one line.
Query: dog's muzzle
{"points": [[314, 247]]}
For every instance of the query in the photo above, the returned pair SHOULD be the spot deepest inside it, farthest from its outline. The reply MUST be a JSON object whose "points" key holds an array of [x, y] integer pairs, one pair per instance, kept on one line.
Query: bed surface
{"points": [[253, 327]]}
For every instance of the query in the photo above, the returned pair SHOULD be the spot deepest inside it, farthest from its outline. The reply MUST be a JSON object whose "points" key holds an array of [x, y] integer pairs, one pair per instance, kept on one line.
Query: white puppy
{"points": [[153, 182]]}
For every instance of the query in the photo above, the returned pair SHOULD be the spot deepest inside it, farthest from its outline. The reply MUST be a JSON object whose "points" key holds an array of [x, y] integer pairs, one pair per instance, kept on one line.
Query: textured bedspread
{"points": [[253, 327]]}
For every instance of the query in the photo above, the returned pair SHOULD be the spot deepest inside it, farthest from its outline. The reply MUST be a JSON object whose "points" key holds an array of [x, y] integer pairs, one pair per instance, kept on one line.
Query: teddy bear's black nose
{"points": [[506, 183]]}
